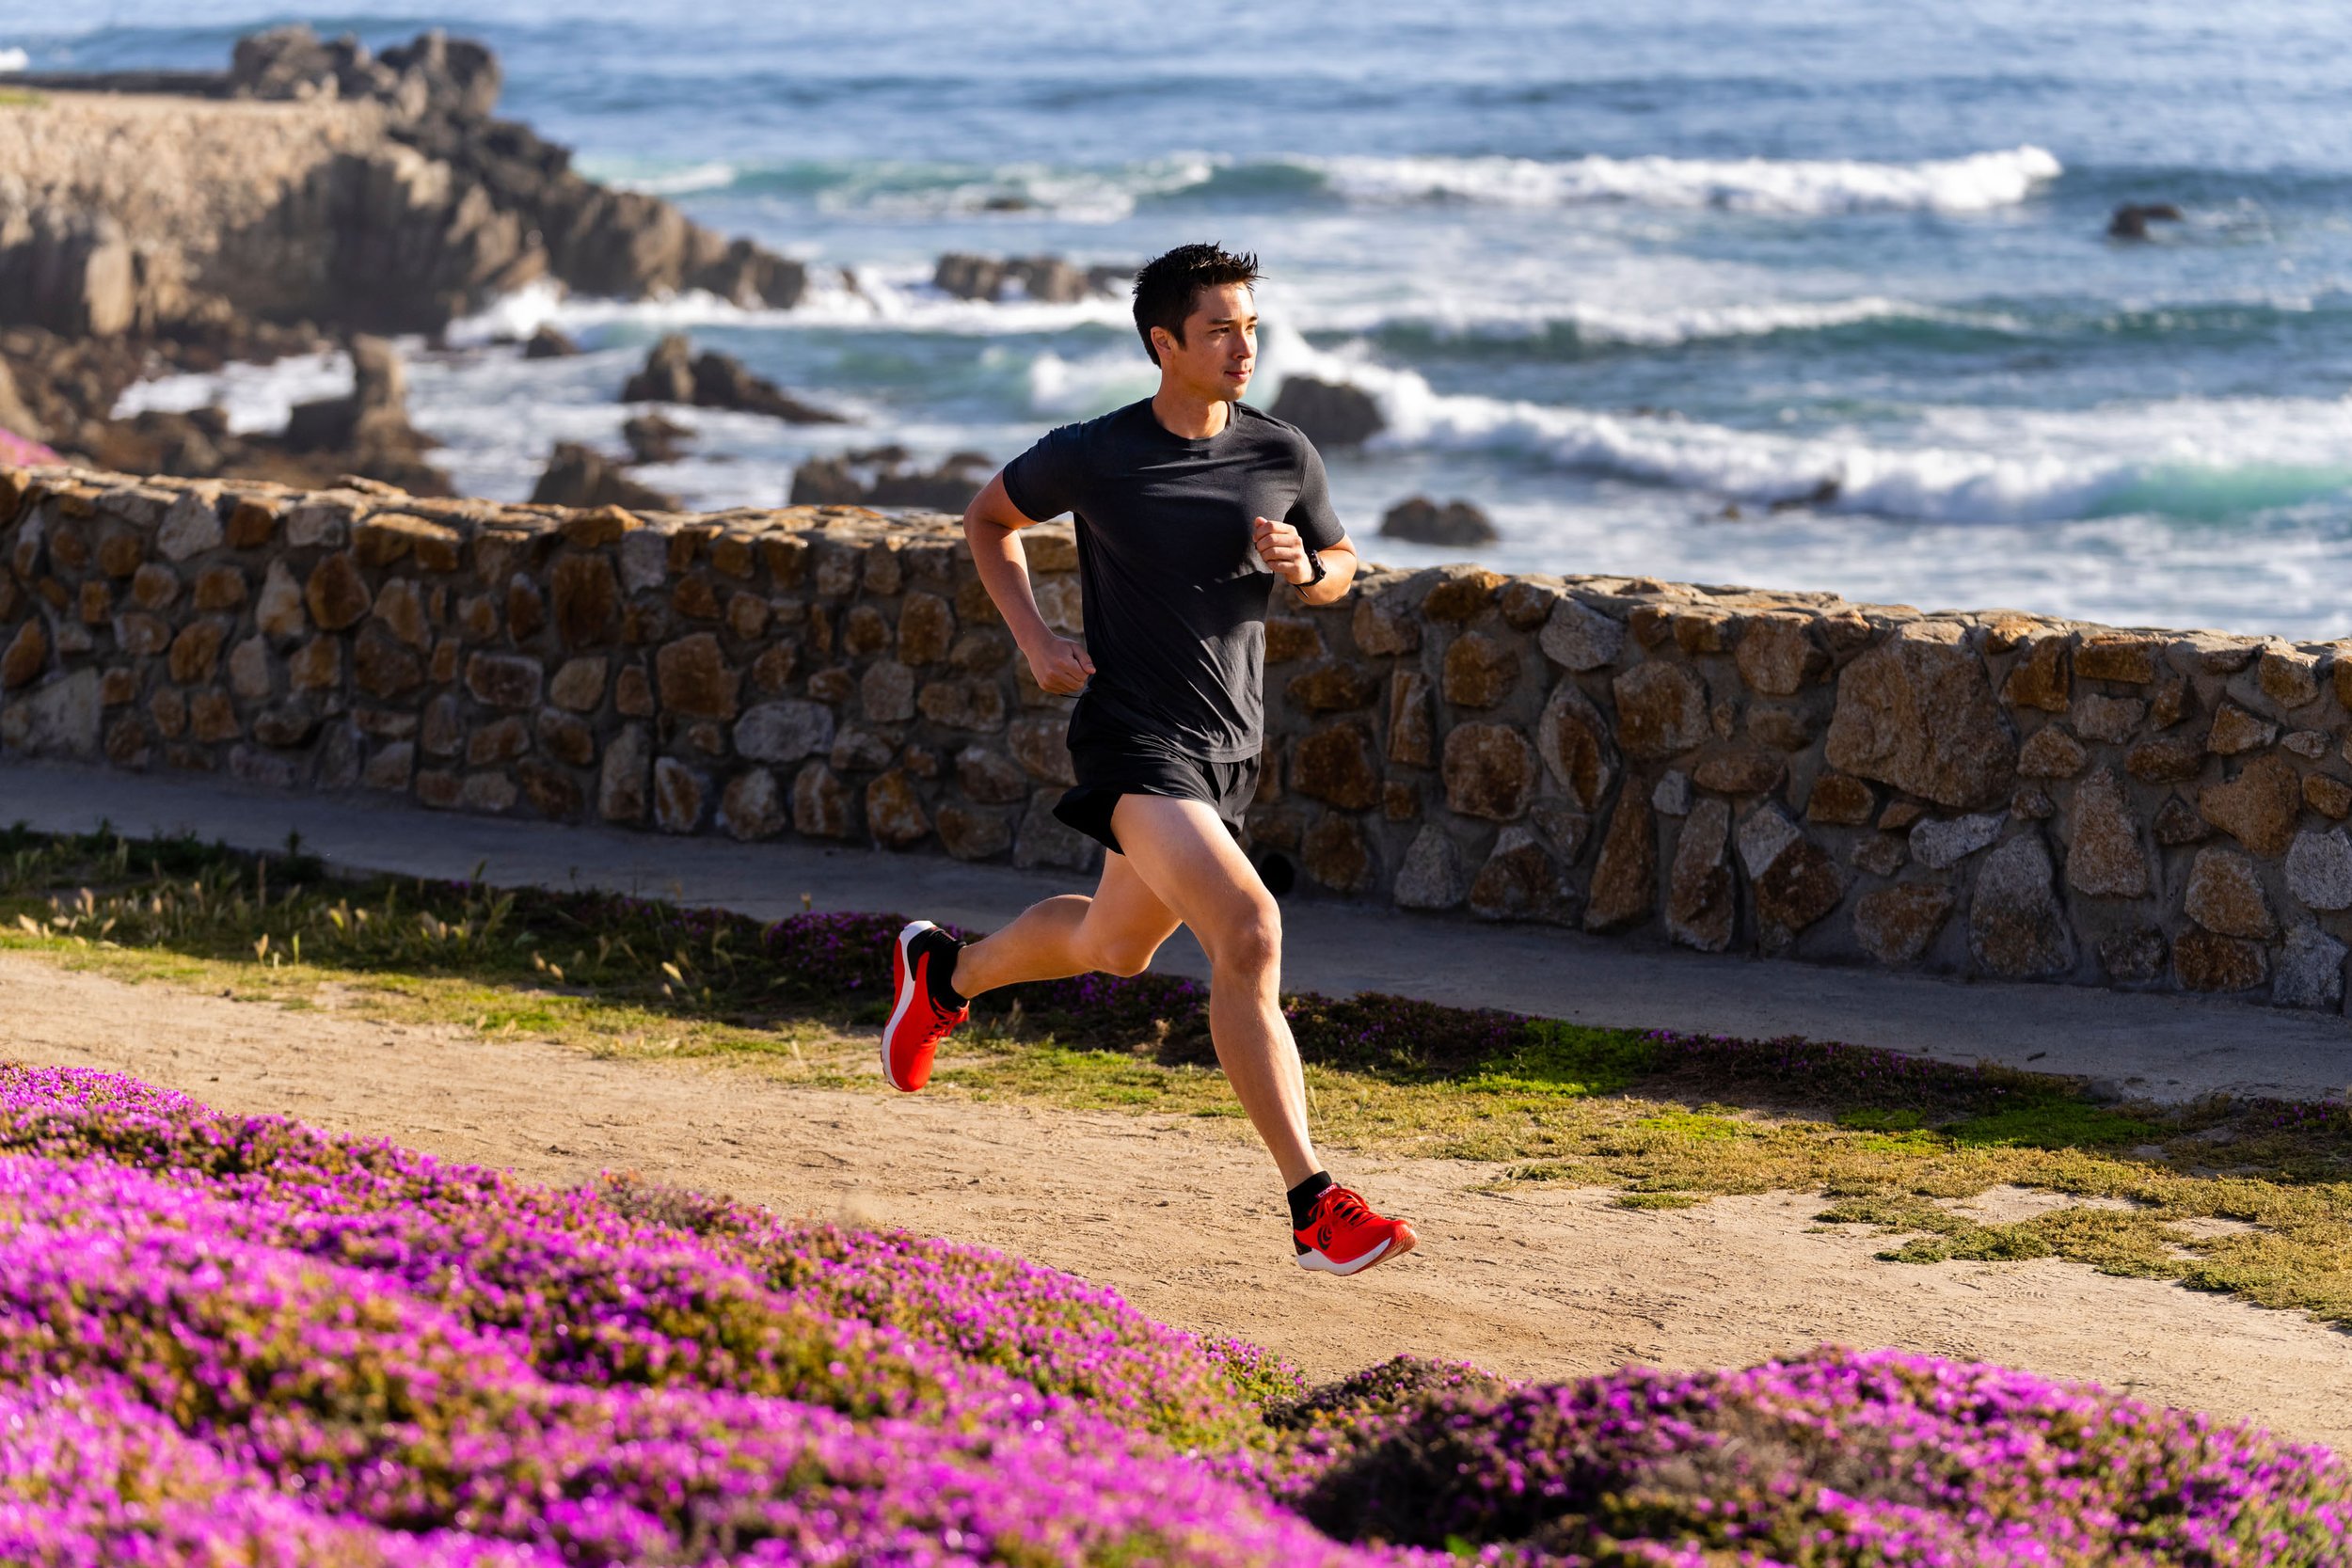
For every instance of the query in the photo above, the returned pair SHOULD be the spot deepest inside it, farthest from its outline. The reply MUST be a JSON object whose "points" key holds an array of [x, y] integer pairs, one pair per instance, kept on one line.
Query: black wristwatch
{"points": [[1315, 560]]}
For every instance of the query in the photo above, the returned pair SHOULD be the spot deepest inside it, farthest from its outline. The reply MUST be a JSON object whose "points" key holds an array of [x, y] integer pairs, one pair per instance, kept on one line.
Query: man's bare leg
{"points": [[1116, 931], [1185, 857]]}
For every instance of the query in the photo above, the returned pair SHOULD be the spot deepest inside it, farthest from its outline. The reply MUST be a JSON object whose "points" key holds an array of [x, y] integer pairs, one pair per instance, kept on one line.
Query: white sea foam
{"points": [[14, 60], [257, 398], [716, 175], [1974, 183], [2196, 455]]}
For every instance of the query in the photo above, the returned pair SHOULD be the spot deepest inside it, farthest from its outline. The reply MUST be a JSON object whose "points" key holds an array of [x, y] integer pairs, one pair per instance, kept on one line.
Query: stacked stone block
{"points": [[1722, 768]]}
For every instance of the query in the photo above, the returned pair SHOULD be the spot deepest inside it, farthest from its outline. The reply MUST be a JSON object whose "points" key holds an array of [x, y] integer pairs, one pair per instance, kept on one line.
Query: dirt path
{"points": [[1181, 1216]]}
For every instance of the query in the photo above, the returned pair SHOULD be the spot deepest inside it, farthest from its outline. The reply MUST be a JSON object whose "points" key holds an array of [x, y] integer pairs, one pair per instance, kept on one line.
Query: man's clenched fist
{"points": [[1282, 550]]}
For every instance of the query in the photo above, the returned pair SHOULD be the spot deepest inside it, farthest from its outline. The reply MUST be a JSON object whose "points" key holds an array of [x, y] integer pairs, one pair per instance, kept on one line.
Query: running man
{"points": [[1188, 505]]}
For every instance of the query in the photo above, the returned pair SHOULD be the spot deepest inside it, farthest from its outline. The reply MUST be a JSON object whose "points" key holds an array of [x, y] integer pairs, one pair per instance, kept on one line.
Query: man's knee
{"points": [[1121, 955], [1249, 941]]}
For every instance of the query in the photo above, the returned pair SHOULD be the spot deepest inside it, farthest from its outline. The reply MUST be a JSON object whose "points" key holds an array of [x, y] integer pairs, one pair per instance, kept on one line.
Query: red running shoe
{"points": [[917, 1021], [1343, 1236]]}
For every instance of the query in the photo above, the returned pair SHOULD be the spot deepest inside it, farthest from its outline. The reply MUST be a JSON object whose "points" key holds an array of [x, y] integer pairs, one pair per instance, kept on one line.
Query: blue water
{"points": [[1626, 276]]}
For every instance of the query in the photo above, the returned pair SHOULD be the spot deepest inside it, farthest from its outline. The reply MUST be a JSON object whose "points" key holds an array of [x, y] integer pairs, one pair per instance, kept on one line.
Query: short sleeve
{"points": [[1046, 481], [1312, 513]]}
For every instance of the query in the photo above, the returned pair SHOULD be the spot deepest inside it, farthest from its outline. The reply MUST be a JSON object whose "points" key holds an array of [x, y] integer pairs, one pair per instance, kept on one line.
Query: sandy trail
{"points": [[1183, 1216]]}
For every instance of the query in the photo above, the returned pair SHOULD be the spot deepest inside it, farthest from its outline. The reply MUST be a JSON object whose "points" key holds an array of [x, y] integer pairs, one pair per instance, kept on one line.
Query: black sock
{"points": [[1303, 1197], [942, 967]]}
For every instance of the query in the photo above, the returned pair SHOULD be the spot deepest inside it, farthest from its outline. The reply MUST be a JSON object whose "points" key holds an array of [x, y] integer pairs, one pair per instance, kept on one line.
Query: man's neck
{"points": [[1189, 415]]}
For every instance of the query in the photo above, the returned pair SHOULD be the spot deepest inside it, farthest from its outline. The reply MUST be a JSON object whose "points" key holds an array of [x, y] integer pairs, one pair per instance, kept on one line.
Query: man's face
{"points": [[1220, 346]]}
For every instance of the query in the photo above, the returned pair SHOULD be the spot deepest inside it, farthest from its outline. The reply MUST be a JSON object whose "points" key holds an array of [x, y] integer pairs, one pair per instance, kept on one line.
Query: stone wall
{"points": [[1786, 773]]}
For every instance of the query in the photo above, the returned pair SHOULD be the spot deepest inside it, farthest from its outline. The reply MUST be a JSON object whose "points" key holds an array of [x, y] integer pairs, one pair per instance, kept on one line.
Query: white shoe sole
{"points": [[906, 995], [1315, 1262]]}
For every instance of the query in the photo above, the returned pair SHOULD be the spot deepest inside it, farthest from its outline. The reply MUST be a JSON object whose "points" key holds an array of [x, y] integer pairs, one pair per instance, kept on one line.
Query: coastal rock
{"points": [[882, 477], [1422, 521], [2226, 898], [1895, 924], [549, 341], [2130, 221], [1045, 280], [1329, 413], [673, 372], [1917, 712], [577, 475], [2016, 925], [2104, 859], [655, 439]]}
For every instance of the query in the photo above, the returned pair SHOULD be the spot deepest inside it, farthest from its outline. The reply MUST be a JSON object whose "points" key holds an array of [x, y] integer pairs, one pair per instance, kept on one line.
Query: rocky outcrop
{"points": [[1733, 770], [883, 476], [1330, 413], [673, 373], [1047, 279], [577, 475], [1422, 521], [315, 182]]}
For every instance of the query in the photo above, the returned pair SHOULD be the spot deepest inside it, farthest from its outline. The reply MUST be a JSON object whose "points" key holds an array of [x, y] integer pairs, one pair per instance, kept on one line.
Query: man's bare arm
{"points": [[1285, 555], [991, 525]]}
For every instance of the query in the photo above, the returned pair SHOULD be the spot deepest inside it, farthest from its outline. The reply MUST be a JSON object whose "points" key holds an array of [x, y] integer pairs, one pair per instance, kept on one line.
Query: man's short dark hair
{"points": [[1168, 286]]}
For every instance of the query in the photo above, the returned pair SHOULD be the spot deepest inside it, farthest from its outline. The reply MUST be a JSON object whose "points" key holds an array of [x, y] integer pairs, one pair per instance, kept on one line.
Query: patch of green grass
{"points": [[1664, 1121], [22, 98]]}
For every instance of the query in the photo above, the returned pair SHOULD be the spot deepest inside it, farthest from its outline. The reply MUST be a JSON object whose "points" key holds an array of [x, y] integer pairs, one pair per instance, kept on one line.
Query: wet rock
{"points": [[1422, 521], [1578, 637], [673, 372], [1917, 712], [2257, 808], [1045, 280], [655, 439], [2225, 895], [1432, 876], [2130, 221], [1489, 771], [2016, 925], [1330, 414], [2050, 752], [2204, 962], [2104, 859], [2311, 971], [1662, 710], [1625, 880], [2319, 870], [1897, 924], [1700, 909], [549, 342], [580, 476], [1939, 843], [884, 478]]}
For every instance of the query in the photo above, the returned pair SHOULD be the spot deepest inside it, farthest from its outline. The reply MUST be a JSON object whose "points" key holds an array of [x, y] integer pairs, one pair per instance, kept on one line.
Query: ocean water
{"points": [[1809, 295]]}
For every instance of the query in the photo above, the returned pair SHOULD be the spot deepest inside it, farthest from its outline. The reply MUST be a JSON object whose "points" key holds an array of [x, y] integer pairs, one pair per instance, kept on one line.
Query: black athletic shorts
{"points": [[1113, 766]]}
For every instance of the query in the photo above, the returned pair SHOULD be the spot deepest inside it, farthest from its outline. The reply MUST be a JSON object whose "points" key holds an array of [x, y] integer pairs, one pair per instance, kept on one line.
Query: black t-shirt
{"points": [[1176, 596]]}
